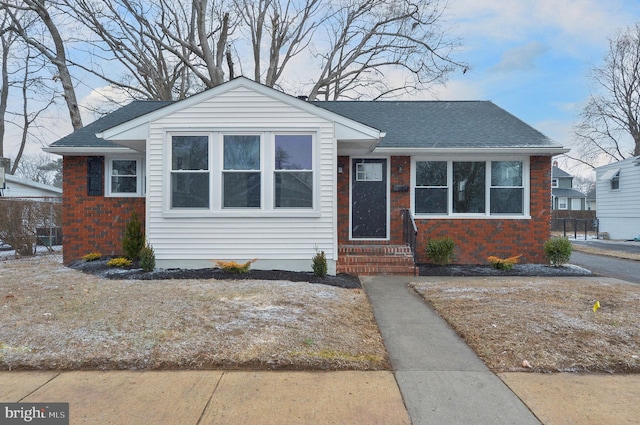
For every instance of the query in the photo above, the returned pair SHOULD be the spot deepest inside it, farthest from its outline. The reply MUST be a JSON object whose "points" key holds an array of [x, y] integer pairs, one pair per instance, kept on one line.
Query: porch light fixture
{"points": [[340, 168], [400, 169]]}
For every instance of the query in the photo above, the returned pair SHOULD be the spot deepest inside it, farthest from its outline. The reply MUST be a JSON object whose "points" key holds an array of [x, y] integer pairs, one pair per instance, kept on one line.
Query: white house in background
{"points": [[618, 187], [16, 187]]}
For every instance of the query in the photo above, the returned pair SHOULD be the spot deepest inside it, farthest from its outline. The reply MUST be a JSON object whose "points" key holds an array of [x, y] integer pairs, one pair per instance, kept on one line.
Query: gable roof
{"points": [[559, 173], [53, 190], [86, 136], [443, 124], [408, 125], [567, 193]]}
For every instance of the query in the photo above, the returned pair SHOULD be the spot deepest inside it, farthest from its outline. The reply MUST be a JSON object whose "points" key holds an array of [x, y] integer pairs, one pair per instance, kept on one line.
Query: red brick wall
{"points": [[475, 239], [92, 223]]}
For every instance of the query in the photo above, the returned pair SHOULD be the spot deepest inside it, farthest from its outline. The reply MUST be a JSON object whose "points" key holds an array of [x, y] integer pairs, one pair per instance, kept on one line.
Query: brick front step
{"points": [[362, 260]]}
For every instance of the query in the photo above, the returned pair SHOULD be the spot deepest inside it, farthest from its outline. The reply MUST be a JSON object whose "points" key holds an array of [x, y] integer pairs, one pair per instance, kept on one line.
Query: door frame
{"points": [[387, 191]]}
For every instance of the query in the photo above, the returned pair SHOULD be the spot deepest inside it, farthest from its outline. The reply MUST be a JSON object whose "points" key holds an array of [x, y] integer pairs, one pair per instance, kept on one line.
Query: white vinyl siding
{"points": [[619, 209], [242, 234]]}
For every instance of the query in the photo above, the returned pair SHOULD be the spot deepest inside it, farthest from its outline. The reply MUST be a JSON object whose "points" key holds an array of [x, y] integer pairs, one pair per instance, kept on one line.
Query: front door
{"points": [[369, 199]]}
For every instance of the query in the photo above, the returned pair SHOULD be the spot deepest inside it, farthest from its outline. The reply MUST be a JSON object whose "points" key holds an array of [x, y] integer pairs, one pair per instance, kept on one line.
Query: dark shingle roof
{"points": [[444, 124], [86, 136], [567, 193], [558, 173]]}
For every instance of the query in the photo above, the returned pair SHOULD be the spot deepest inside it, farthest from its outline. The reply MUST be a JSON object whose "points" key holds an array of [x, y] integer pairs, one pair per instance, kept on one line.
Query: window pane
{"points": [[506, 173], [294, 152], [241, 190], [241, 152], [123, 167], [189, 190], [124, 184], [294, 190], [431, 201], [507, 201], [369, 172], [431, 173], [468, 187], [190, 153]]}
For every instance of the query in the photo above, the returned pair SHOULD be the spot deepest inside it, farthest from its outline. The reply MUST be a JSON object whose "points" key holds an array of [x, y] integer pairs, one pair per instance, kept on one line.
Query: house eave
{"points": [[531, 151], [88, 151]]}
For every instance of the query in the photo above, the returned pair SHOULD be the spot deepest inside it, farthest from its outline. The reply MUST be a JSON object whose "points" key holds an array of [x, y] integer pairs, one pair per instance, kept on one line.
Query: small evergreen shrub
{"points": [[440, 251], [234, 267], [558, 250], [92, 256], [319, 264], [503, 263], [133, 239], [119, 262], [147, 258]]}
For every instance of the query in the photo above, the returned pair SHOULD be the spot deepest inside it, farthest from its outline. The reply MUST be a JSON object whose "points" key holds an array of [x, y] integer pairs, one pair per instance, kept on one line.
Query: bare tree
{"points": [[610, 122], [7, 38], [368, 38], [55, 53]]}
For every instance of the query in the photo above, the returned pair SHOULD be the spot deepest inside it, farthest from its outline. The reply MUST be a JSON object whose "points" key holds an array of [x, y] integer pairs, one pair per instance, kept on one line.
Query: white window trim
{"points": [[566, 203], [554, 182], [140, 177], [526, 178], [267, 175]]}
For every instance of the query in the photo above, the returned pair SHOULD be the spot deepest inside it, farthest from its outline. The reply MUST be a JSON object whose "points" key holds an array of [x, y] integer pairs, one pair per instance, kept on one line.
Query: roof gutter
{"points": [[88, 151], [551, 151]]}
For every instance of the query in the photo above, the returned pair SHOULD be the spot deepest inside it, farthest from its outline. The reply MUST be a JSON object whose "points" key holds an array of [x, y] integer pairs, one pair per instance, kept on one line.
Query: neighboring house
{"points": [[618, 187], [16, 187], [563, 195], [242, 171]]}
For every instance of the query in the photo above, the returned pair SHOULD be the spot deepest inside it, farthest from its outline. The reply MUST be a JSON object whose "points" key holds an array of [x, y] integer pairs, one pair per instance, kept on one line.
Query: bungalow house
{"points": [[563, 195], [618, 188], [243, 171]]}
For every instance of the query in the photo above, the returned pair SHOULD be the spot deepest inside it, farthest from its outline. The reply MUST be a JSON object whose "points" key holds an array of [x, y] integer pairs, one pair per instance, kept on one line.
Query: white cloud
{"points": [[520, 58], [101, 100]]}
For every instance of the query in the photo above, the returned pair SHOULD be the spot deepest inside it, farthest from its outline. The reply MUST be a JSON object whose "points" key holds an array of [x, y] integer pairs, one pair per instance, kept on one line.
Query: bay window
{"points": [[469, 188]]}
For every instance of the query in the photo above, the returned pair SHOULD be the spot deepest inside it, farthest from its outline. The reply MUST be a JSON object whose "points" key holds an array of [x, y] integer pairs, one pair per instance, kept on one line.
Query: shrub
{"points": [[319, 264], [119, 262], [440, 251], [234, 267], [92, 256], [503, 263], [133, 239], [147, 258], [558, 250]]}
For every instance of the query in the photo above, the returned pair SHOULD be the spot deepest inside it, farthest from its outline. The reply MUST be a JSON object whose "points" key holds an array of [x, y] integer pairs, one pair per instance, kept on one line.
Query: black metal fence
{"points": [[576, 227]]}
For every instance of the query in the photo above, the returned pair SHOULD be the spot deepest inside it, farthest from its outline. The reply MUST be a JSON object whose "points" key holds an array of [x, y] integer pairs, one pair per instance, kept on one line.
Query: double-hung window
{"points": [[125, 177], [190, 171], [241, 173], [469, 188], [293, 171]]}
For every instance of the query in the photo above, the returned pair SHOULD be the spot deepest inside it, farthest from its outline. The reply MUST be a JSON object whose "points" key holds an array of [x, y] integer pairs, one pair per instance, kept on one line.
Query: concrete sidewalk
{"points": [[213, 397], [441, 379]]}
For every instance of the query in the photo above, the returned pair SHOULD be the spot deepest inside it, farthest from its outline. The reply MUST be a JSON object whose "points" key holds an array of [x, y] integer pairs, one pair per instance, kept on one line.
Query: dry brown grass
{"points": [[547, 322], [56, 318]]}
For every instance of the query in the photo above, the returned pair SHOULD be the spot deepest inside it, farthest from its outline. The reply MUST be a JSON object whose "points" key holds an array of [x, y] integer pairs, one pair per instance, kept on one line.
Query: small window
{"points": [[562, 203], [615, 181], [369, 172], [554, 182], [125, 177]]}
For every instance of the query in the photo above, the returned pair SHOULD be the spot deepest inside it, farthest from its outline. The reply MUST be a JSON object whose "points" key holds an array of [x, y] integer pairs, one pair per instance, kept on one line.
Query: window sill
{"points": [[196, 213], [471, 217]]}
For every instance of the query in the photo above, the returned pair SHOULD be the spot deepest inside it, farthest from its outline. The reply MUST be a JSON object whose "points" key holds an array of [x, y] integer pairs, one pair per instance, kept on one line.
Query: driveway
{"points": [[609, 258]]}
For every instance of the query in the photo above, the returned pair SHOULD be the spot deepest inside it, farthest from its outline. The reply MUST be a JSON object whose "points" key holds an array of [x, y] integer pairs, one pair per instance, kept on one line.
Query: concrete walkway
{"points": [[441, 379], [213, 397]]}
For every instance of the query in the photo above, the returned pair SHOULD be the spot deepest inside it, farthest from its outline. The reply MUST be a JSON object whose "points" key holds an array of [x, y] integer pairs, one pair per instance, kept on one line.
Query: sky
{"points": [[530, 57], [533, 57]]}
